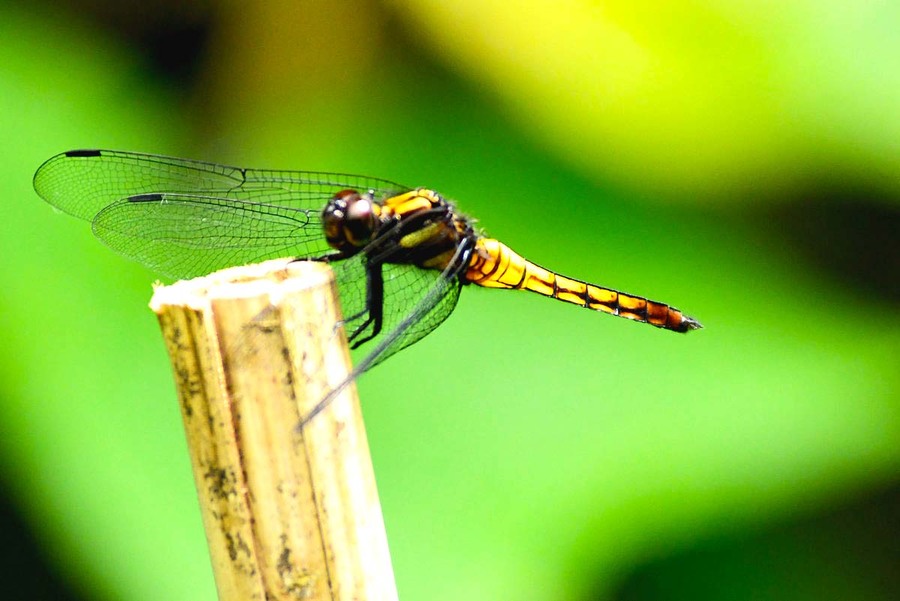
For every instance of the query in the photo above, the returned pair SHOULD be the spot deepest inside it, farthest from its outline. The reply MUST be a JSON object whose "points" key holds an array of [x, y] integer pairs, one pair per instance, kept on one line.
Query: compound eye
{"points": [[333, 217], [349, 220], [361, 220]]}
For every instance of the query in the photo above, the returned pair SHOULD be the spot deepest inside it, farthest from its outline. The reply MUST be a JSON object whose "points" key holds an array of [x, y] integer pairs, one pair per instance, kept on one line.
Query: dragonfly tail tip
{"points": [[689, 323]]}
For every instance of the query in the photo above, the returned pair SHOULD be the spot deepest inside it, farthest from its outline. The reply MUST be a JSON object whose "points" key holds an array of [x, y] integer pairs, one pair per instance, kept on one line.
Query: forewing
{"points": [[186, 218], [83, 182]]}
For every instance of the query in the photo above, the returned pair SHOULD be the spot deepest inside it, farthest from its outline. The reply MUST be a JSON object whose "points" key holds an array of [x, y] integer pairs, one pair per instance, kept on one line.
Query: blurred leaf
{"points": [[702, 100], [95, 449]]}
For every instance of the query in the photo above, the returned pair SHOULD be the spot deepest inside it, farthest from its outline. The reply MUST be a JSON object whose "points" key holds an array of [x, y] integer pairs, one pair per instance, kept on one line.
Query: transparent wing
{"points": [[430, 307], [416, 301], [186, 218], [185, 236], [83, 182]]}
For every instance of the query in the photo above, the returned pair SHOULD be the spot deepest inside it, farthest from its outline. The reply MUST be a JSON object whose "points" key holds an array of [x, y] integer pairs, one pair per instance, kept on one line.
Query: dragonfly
{"points": [[401, 255]]}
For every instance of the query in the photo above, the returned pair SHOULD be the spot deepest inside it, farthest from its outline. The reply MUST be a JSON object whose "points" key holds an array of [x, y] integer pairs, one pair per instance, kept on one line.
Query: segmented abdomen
{"points": [[495, 265]]}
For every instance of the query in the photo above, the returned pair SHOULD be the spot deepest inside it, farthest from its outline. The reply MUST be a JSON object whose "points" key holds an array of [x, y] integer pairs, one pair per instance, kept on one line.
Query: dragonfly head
{"points": [[350, 220]]}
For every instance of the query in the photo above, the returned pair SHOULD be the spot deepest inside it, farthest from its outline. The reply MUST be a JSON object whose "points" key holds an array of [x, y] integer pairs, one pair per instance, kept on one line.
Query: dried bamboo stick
{"points": [[288, 515]]}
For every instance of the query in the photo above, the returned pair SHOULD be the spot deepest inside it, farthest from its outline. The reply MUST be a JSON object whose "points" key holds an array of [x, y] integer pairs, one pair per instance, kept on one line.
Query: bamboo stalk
{"points": [[288, 514]]}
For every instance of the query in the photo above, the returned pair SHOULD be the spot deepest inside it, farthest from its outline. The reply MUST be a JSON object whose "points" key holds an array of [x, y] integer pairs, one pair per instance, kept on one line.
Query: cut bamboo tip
{"points": [[288, 515]]}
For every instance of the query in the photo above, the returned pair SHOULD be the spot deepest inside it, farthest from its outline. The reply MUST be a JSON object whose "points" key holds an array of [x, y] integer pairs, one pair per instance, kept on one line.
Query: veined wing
{"points": [[186, 218], [83, 182], [420, 300], [185, 236], [405, 287]]}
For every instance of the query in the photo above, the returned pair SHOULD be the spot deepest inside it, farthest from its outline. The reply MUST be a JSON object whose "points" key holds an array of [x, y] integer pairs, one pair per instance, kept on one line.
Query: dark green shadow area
{"points": [[846, 552]]}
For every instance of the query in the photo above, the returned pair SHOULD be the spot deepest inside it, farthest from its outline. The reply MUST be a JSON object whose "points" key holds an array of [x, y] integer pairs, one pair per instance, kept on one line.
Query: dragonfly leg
{"points": [[338, 256], [352, 318], [374, 306], [326, 258]]}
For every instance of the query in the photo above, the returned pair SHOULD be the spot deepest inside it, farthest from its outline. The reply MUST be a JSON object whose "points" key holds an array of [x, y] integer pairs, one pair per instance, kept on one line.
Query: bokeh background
{"points": [[739, 160]]}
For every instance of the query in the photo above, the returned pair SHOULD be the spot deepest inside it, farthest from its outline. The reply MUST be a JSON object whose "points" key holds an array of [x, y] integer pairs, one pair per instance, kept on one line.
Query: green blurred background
{"points": [[739, 160]]}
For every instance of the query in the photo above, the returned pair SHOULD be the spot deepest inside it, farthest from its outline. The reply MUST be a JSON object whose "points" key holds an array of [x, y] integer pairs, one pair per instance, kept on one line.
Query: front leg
{"points": [[374, 306], [326, 258]]}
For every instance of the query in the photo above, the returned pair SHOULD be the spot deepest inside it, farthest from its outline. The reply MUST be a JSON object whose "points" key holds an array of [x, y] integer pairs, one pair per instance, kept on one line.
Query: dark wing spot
{"points": [[83, 153], [146, 198]]}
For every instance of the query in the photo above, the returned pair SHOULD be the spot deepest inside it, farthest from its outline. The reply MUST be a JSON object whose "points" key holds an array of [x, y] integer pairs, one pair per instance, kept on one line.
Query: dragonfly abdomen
{"points": [[495, 265]]}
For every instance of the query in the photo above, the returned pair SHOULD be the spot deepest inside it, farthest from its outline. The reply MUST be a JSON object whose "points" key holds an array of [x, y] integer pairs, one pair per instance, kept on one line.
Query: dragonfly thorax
{"points": [[350, 219]]}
